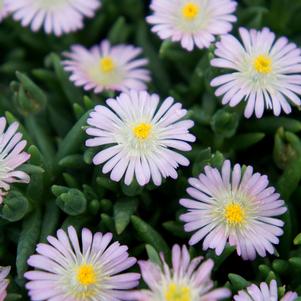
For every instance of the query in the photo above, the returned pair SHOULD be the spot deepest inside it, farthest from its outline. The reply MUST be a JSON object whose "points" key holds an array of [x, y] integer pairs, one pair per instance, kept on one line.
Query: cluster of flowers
{"points": [[142, 140], [93, 269]]}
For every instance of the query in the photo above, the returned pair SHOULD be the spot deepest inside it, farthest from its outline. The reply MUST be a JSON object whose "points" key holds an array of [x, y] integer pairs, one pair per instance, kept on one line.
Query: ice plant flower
{"points": [[11, 157], [66, 269], [234, 206], [56, 16], [264, 292], [106, 67], [142, 137], [187, 280], [266, 72], [3, 10], [193, 23], [4, 271]]}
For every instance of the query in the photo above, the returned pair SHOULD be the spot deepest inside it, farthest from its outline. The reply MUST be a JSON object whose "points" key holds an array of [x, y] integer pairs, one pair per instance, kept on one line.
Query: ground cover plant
{"points": [[150, 150]]}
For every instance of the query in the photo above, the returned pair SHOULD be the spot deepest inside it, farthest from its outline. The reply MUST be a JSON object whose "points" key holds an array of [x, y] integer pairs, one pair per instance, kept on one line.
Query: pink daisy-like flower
{"points": [[11, 157], [56, 16], [106, 67], [90, 271], [193, 23], [266, 72], [4, 271], [186, 280], [234, 206], [143, 137], [3, 10], [264, 292]]}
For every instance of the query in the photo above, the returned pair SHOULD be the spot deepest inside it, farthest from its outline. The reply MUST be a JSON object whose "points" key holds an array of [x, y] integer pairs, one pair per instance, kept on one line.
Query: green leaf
{"points": [[238, 282], [149, 235], [15, 206], [35, 97], [290, 179], [108, 222], [72, 93], [153, 254], [72, 161], [244, 141], [264, 270], [155, 64], [297, 240], [123, 210], [175, 228], [50, 220], [43, 141], [280, 266], [106, 183], [74, 140], [58, 190], [224, 123], [27, 242], [119, 31], [32, 169], [131, 190], [76, 221], [73, 202], [13, 297], [295, 262]]}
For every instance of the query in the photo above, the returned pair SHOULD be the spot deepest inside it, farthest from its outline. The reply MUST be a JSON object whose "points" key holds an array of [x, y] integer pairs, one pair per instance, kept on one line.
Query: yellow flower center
{"points": [[263, 64], [142, 130], [234, 214], [177, 293], [86, 274], [106, 64], [190, 11]]}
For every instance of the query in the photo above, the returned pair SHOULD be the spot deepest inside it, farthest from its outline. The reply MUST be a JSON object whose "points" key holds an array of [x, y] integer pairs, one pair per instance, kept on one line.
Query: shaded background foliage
{"points": [[66, 189]]}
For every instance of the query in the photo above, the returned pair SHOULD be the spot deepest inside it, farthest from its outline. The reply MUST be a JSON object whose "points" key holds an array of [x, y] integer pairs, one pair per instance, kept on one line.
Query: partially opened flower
{"points": [[193, 23], [187, 280], [263, 292], [266, 72], [4, 271], [56, 16], [3, 10], [142, 137], [235, 206], [12, 155], [106, 67], [89, 271]]}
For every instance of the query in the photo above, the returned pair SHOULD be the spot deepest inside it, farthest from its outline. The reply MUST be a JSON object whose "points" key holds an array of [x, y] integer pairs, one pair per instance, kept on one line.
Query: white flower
{"points": [[266, 72], [11, 157], [235, 206], [141, 136], [192, 22], [56, 16], [4, 271], [186, 280], [106, 67], [90, 270], [3, 10], [264, 292]]}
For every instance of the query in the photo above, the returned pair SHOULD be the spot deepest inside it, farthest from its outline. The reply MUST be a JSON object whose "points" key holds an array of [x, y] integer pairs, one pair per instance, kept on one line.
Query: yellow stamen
{"points": [[142, 130], [190, 11], [177, 293], [234, 214], [106, 64], [263, 64], [86, 274]]}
